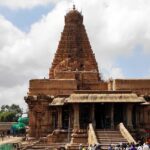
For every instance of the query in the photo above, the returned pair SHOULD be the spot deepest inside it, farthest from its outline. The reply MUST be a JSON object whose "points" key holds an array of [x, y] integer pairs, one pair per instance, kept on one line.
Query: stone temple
{"points": [[74, 105]]}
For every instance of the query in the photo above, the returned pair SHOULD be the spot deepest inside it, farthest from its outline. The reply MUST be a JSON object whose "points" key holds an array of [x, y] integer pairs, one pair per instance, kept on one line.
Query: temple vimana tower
{"points": [[74, 105]]}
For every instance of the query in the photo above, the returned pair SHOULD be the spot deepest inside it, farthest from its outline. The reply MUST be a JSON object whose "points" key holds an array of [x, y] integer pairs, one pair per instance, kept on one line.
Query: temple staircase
{"points": [[109, 137], [55, 140], [78, 137], [40, 146]]}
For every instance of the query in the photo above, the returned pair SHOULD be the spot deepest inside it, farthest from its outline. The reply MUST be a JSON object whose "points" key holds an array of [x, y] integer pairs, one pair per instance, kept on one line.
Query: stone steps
{"points": [[112, 140], [76, 146], [109, 137], [51, 146]]}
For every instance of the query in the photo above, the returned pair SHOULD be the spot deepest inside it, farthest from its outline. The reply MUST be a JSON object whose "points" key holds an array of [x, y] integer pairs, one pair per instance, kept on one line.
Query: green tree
{"points": [[10, 113]]}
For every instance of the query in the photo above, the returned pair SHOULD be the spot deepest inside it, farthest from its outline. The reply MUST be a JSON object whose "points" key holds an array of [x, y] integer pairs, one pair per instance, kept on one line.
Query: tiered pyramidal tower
{"points": [[74, 53]]}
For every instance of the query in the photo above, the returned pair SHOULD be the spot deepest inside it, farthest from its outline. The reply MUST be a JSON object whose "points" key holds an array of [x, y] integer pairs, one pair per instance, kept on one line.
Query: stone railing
{"points": [[92, 139], [125, 133]]}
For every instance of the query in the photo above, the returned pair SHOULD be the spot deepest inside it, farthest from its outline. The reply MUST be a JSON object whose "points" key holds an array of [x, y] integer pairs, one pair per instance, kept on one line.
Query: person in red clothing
{"points": [[148, 140]]}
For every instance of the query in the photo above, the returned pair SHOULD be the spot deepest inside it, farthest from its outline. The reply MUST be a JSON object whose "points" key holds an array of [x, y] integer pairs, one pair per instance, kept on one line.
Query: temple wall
{"points": [[140, 86], [98, 86], [85, 76], [51, 87], [90, 76], [65, 75]]}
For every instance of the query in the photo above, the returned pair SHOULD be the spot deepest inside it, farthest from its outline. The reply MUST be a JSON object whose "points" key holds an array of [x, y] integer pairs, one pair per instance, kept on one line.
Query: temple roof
{"points": [[59, 101], [74, 16], [105, 98]]}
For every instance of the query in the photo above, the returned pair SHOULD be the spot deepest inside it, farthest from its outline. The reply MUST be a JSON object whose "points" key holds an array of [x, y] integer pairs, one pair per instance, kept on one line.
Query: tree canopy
{"points": [[10, 113]]}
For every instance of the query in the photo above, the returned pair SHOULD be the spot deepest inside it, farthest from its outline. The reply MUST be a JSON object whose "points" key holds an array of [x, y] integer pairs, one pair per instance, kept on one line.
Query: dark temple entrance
{"points": [[65, 117], [84, 115], [54, 119], [102, 116], [118, 114]]}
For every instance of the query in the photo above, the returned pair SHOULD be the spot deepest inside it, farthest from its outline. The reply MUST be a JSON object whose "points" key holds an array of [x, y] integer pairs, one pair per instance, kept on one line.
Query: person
{"points": [[110, 147], [98, 147], [145, 146], [94, 147], [128, 146], [124, 145], [83, 148], [139, 147], [90, 147], [2, 136], [117, 147], [8, 133], [133, 147], [80, 146], [61, 148]]}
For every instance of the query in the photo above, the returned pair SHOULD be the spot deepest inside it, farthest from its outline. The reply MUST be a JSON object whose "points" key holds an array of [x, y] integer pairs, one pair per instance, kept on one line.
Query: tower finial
{"points": [[74, 7]]}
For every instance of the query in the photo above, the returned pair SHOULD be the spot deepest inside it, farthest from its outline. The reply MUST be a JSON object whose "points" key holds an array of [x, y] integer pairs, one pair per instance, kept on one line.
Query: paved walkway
{"points": [[10, 140]]}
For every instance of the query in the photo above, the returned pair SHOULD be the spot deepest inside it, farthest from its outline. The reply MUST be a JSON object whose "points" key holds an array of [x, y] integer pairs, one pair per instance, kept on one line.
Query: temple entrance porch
{"points": [[101, 115]]}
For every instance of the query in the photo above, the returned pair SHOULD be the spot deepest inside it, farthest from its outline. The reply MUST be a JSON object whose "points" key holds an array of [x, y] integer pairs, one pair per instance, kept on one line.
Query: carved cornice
{"points": [[37, 103], [39, 97]]}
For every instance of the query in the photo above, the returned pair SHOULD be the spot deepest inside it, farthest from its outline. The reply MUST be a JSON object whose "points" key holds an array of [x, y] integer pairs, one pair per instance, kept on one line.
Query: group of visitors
{"points": [[90, 147], [4, 134], [131, 146], [121, 146]]}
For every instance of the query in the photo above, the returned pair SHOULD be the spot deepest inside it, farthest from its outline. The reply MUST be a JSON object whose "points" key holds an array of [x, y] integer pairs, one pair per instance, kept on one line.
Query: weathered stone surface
{"points": [[139, 86], [74, 53]]}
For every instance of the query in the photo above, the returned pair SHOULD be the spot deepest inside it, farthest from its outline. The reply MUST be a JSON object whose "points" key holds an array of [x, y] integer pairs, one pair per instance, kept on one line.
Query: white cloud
{"points": [[114, 29], [27, 55], [13, 95], [23, 4]]}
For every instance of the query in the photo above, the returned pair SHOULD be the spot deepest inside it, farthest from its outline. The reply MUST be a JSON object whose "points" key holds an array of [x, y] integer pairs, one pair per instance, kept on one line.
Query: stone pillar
{"points": [[38, 124], [50, 120], [129, 116], [76, 124], [32, 123], [78, 136], [93, 115], [59, 126], [112, 116]]}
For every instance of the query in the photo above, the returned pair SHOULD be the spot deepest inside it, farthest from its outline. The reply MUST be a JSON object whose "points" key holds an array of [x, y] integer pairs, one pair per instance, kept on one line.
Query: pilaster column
{"points": [[112, 116], [93, 115], [38, 123], [59, 118], [129, 116], [76, 124], [31, 123], [50, 120]]}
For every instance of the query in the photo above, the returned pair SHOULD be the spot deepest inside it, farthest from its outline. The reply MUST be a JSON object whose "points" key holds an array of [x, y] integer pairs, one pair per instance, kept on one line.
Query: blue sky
{"points": [[24, 18], [135, 65]]}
